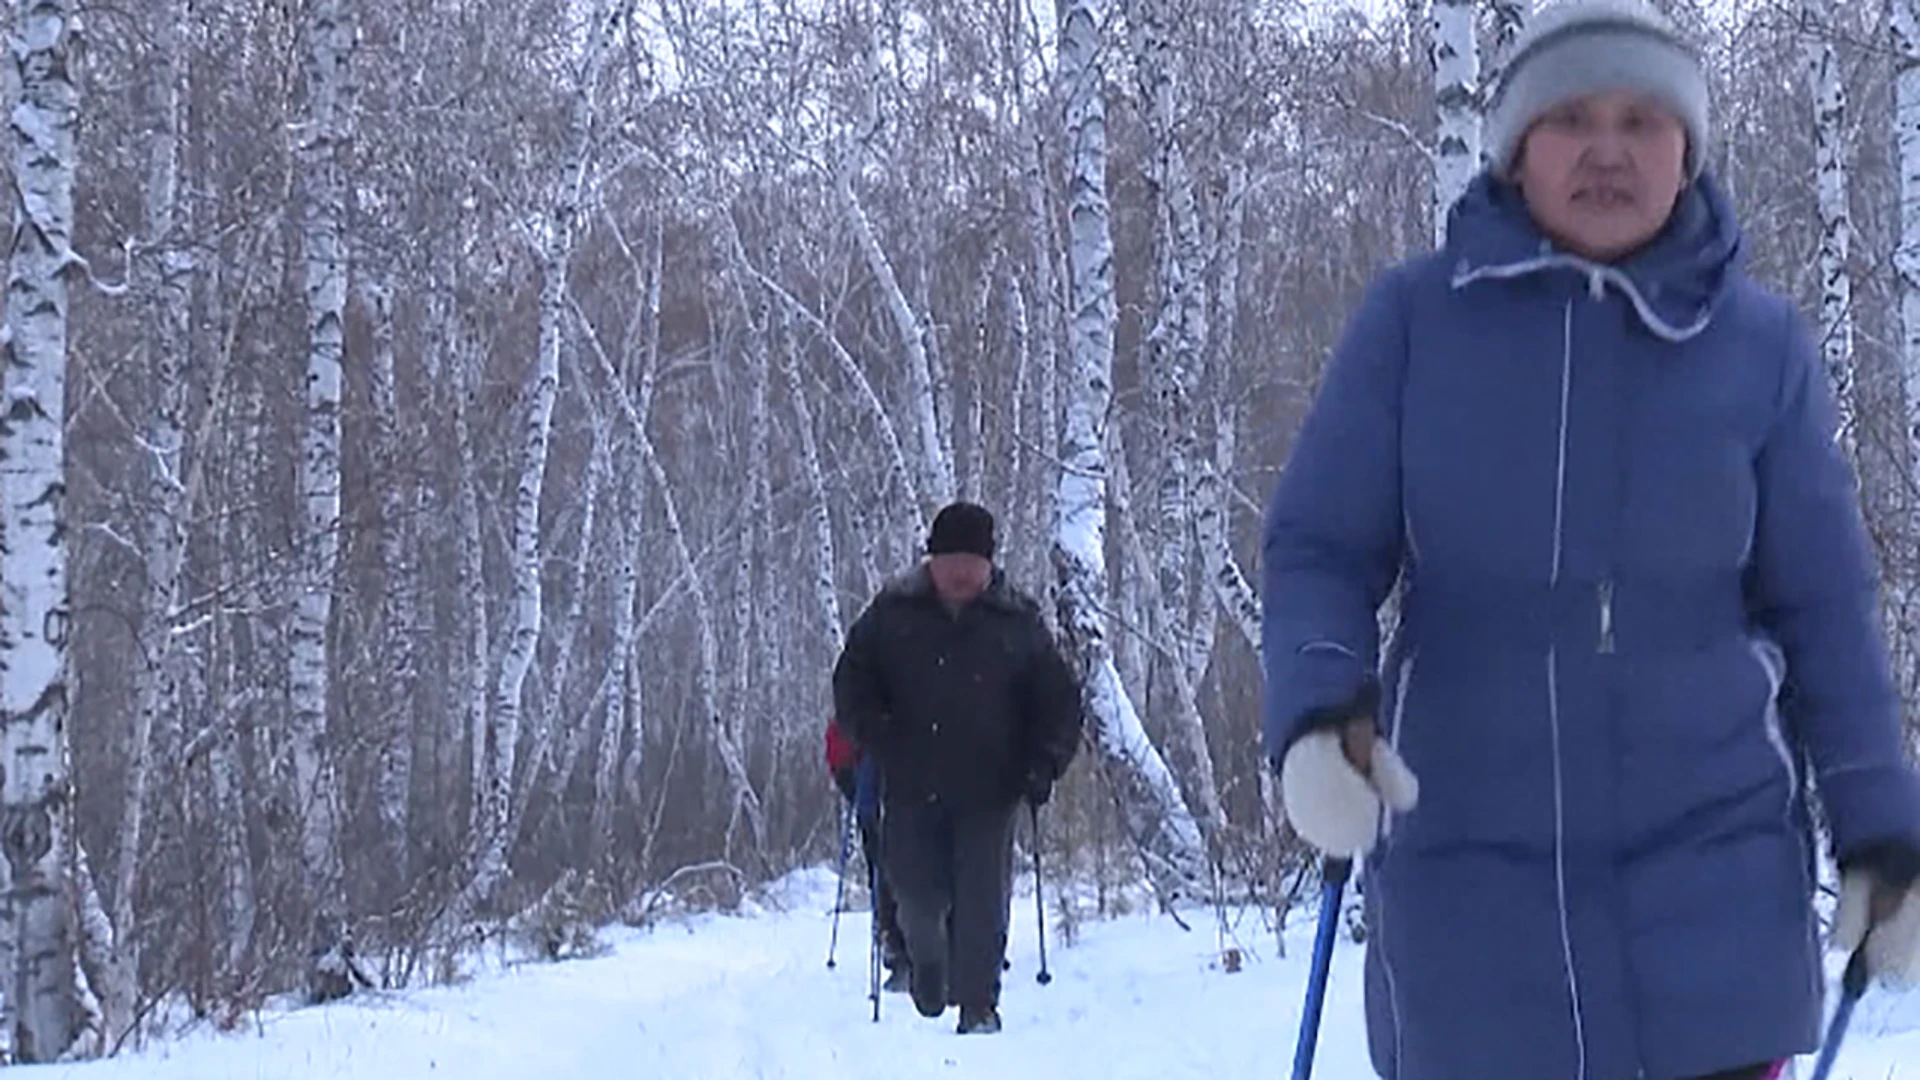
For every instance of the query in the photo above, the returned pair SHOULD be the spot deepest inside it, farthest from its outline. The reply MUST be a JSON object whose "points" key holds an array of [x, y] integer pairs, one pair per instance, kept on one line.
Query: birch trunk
{"points": [[620, 712], [163, 280], [1456, 99], [400, 603], [558, 673], [330, 34], [1213, 502], [1186, 729], [1156, 814], [745, 801], [826, 596], [935, 476], [1174, 346], [37, 946], [1829, 88], [1904, 29], [470, 679], [524, 608]]}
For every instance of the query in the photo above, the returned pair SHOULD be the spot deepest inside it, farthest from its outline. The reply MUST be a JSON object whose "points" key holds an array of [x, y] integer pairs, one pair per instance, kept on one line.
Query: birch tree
{"points": [[558, 228], [400, 627], [1827, 83], [1157, 815], [37, 938], [322, 147], [163, 283], [1456, 99], [936, 473], [1174, 346]]}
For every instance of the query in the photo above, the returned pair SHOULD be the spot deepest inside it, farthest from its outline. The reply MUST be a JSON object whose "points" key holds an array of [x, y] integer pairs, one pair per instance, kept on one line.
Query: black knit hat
{"points": [[962, 527]]}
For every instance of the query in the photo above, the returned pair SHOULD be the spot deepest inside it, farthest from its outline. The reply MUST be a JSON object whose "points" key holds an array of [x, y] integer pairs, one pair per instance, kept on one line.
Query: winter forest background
{"points": [[446, 440]]}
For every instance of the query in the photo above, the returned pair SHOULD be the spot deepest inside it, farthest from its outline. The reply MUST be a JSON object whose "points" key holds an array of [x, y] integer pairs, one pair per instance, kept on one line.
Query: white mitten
{"points": [[1890, 925], [1331, 805]]}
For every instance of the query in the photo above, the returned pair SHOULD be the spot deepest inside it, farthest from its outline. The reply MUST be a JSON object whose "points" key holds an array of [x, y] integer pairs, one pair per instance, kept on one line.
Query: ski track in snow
{"points": [[751, 998]]}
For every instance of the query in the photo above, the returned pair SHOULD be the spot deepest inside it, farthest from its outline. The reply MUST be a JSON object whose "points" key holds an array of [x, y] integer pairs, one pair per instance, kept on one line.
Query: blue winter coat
{"points": [[1625, 526]]}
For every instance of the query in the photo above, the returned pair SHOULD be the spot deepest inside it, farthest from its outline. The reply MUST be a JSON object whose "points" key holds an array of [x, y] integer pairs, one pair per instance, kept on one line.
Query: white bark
{"points": [[1049, 320], [1156, 814], [1174, 345], [1456, 97], [523, 623], [935, 476], [749, 603], [470, 676], [330, 33], [400, 600], [620, 706], [1185, 727], [37, 957], [163, 275], [826, 597], [558, 671], [1827, 83], [1213, 502], [904, 516], [1904, 33], [745, 801]]}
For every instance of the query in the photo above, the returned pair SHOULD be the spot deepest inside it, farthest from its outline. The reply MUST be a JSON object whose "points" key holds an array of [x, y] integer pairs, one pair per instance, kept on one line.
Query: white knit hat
{"points": [[1578, 47]]}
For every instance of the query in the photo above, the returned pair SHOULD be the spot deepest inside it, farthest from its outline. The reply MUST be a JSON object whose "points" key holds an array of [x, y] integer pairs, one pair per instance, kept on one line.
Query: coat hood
{"points": [[1675, 284]]}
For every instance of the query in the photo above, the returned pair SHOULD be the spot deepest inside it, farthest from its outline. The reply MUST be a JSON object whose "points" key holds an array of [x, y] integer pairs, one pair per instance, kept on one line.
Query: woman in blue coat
{"points": [[1639, 620]]}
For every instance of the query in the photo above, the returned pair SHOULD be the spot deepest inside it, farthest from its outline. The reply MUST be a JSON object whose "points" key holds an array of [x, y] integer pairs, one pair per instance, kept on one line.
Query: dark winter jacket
{"points": [[959, 708], [1625, 525]]}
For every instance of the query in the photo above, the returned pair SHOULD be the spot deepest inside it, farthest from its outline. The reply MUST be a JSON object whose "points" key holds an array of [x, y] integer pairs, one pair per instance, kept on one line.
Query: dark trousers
{"points": [[893, 944], [950, 872]]}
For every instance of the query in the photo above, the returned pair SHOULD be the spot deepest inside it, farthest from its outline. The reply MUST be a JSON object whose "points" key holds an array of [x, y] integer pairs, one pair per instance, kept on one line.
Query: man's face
{"points": [[958, 576], [1601, 173]]}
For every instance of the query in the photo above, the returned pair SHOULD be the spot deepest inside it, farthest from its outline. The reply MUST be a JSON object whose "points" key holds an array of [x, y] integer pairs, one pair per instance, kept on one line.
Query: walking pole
{"points": [[1853, 986], [840, 891], [1333, 882], [1039, 909], [873, 941]]}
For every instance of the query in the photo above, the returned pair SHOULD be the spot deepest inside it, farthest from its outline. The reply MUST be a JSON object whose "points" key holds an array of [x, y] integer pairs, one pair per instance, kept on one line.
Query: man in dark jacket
{"points": [[854, 777], [952, 681]]}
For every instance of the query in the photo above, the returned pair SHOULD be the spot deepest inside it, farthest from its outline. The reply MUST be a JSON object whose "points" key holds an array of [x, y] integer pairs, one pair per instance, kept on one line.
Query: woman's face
{"points": [[1601, 173]]}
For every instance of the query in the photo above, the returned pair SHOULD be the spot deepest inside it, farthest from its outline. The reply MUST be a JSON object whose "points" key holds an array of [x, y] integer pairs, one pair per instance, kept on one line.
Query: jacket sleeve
{"points": [[1813, 586], [1051, 701], [860, 704], [1333, 529]]}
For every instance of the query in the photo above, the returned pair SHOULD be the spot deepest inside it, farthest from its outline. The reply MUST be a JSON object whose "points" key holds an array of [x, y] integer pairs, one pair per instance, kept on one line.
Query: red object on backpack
{"points": [[842, 754]]}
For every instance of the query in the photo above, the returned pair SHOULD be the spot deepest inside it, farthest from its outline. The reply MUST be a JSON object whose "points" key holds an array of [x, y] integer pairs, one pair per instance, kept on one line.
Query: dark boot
{"points": [[978, 1020], [927, 982]]}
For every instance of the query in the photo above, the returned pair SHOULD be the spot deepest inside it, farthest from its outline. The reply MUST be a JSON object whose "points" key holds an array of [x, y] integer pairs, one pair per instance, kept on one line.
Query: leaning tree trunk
{"points": [[37, 957], [329, 53], [1156, 814], [524, 614]]}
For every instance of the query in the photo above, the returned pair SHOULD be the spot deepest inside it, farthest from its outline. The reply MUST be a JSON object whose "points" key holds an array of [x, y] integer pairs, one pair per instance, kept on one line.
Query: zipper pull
{"points": [[1606, 616]]}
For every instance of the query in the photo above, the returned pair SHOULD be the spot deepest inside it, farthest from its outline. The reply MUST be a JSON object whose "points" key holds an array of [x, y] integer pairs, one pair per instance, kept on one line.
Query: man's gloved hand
{"points": [[1880, 904], [1336, 778], [1039, 788]]}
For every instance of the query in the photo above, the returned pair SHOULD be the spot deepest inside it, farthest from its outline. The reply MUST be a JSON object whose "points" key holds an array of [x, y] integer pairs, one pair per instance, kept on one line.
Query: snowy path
{"points": [[752, 999]]}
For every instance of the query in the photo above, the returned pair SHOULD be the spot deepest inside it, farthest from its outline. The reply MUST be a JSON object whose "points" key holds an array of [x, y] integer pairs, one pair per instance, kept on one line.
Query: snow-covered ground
{"points": [[750, 996]]}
